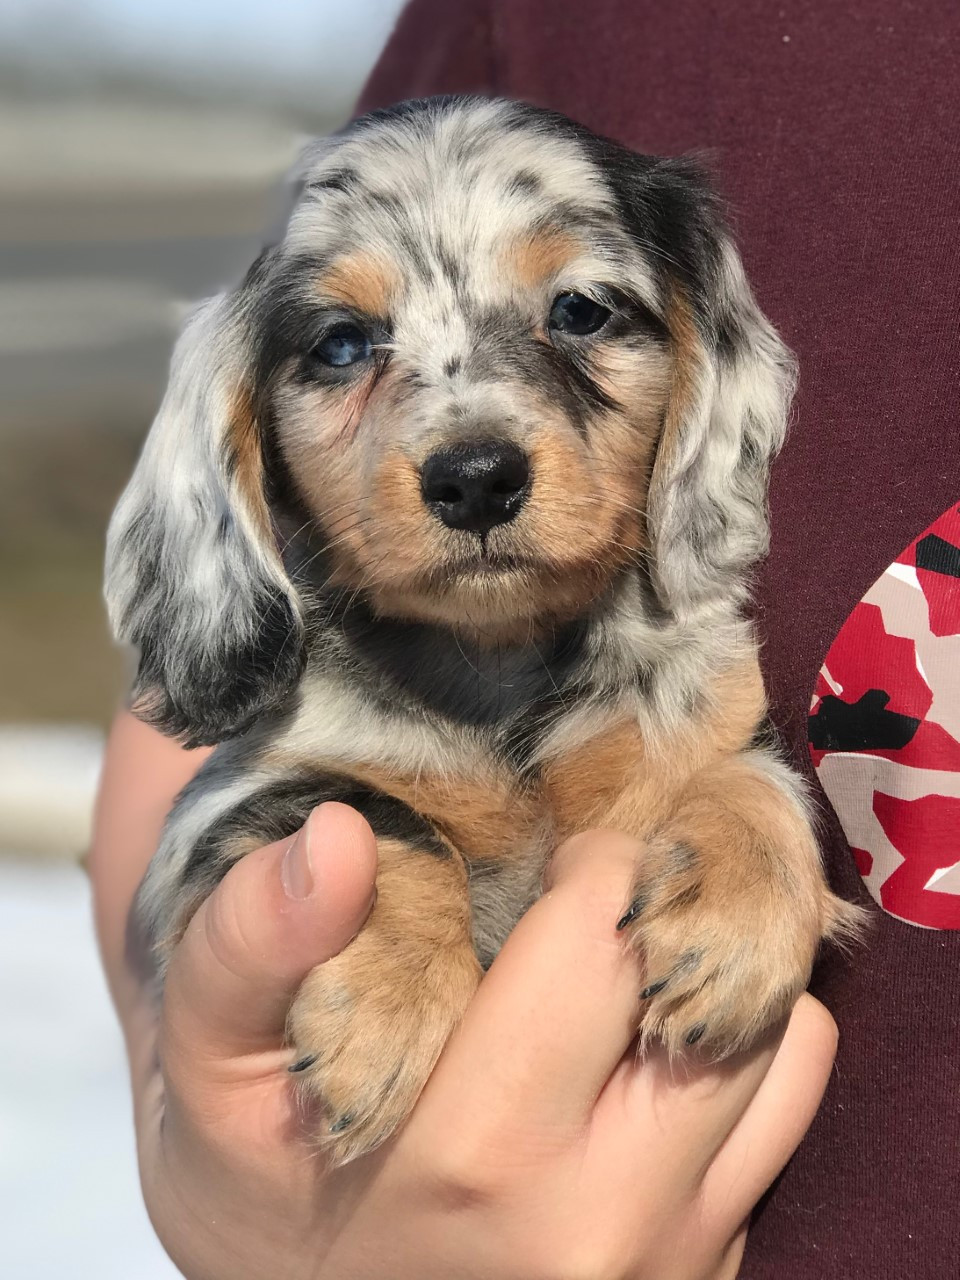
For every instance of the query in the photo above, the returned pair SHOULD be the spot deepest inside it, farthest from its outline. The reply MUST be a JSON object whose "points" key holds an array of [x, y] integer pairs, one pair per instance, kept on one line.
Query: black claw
{"points": [[654, 989], [696, 1033], [303, 1063], [344, 1122], [630, 914]]}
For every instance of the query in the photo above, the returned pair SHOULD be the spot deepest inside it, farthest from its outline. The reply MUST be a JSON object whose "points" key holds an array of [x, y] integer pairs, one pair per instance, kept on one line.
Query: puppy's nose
{"points": [[476, 485]]}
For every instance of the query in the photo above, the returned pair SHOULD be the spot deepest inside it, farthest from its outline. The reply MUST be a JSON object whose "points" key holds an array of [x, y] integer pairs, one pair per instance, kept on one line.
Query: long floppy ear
{"points": [[193, 574], [727, 414]]}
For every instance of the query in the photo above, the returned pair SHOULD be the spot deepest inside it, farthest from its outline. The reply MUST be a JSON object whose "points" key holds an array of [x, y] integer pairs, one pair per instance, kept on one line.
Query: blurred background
{"points": [[141, 148]]}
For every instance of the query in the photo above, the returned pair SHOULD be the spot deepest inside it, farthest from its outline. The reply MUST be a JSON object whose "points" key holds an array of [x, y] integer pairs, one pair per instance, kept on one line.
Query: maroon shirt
{"points": [[833, 127]]}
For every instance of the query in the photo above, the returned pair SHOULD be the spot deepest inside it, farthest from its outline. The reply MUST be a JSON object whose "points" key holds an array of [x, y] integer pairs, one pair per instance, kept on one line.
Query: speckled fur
{"points": [[478, 699]]}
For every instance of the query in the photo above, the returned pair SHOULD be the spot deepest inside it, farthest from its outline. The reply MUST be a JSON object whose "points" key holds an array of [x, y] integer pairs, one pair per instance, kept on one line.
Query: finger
{"points": [[685, 1107], [142, 773], [729, 1265], [777, 1118], [277, 914], [559, 1005]]}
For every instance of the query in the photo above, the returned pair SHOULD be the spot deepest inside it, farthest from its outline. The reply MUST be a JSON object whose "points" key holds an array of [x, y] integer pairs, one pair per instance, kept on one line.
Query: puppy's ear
{"points": [[727, 414], [193, 574]]}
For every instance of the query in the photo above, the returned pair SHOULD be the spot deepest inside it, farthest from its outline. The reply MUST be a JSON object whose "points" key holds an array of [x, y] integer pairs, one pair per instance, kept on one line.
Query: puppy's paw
{"points": [[367, 1028], [726, 947]]}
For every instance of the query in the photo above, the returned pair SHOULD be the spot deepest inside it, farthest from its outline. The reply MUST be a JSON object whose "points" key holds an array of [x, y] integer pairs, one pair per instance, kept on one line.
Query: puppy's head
{"points": [[494, 364]]}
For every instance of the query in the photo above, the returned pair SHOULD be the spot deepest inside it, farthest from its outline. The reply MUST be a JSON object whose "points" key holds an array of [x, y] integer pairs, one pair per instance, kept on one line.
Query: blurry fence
{"points": [[115, 211]]}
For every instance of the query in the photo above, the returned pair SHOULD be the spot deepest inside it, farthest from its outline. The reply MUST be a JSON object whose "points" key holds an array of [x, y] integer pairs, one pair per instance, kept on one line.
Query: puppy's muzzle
{"points": [[476, 485]]}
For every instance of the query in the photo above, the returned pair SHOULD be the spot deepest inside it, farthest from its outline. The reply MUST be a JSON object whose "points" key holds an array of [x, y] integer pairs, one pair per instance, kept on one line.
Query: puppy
{"points": [[448, 513]]}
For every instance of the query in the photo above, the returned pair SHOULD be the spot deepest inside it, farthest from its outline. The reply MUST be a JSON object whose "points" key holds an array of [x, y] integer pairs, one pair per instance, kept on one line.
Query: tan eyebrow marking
{"points": [[537, 255], [361, 280], [245, 456], [689, 357]]}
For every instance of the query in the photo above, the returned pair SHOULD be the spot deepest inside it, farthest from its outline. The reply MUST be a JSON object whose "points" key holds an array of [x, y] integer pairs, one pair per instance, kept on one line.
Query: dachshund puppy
{"points": [[448, 513]]}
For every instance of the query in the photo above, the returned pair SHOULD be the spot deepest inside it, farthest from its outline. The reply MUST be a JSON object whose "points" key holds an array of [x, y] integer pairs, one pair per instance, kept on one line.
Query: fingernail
{"points": [[630, 914], [296, 873]]}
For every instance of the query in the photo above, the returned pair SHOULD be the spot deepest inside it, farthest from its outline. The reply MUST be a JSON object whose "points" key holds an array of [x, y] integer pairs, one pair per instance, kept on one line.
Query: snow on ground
{"points": [[69, 1196], [48, 781]]}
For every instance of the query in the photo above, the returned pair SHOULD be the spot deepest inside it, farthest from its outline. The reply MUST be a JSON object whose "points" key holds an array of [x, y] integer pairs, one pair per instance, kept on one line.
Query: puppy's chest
{"points": [[509, 749], [494, 814]]}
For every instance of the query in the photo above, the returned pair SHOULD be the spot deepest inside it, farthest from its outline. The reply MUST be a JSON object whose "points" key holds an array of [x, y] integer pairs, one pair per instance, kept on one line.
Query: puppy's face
{"points": [[465, 364], [494, 366]]}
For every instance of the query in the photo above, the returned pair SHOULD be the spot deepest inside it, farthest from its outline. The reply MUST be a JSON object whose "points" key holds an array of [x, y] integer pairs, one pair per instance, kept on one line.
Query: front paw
{"points": [[367, 1028], [725, 954]]}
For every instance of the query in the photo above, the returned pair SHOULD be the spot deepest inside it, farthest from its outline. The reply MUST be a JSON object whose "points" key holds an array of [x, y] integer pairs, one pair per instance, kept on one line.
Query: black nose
{"points": [[476, 485]]}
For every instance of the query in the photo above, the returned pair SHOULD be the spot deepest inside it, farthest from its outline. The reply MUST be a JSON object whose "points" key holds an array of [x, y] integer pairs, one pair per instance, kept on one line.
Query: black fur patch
{"points": [[668, 205], [474, 686], [524, 733], [341, 180], [197, 693], [766, 737], [450, 265], [503, 348], [206, 698], [524, 183], [278, 810]]}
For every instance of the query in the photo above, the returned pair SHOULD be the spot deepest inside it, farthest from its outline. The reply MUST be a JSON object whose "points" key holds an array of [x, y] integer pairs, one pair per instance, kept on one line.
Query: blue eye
{"points": [[576, 314], [343, 345]]}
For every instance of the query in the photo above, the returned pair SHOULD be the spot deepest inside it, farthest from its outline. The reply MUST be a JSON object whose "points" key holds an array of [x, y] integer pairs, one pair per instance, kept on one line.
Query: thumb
{"points": [[278, 913]]}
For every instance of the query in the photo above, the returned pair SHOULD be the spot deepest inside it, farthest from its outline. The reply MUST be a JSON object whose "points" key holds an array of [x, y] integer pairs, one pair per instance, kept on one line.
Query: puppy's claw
{"points": [[654, 989], [630, 914], [695, 1033], [373, 1021], [303, 1064]]}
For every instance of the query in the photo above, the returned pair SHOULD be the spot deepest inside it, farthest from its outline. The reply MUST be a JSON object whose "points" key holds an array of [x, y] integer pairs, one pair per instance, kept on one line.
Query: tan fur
{"points": [[488, 816], [688, 360], [406, 534], [452, 278], [568, 493], [377, 1015], [620, 780], [336, 490], [733, 899], [609, 780], [731, 909], [247, 458], [379, 536], [488, 819], [584, 520], [539, 256], [363, 281], [581, 525], [733, 902]]}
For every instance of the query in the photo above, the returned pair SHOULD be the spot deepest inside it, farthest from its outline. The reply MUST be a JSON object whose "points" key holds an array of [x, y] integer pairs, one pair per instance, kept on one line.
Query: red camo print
{"points": [[885, 730], [927, 833]]}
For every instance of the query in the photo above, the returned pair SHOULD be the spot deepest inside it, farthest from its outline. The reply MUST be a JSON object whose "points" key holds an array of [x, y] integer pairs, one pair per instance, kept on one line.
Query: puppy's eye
{"points": [[345, 344], [574, 313]]}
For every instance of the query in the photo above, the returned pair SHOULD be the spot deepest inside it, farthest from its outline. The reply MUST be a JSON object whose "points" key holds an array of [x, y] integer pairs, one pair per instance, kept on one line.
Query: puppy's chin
{"points": [[503, 599]]}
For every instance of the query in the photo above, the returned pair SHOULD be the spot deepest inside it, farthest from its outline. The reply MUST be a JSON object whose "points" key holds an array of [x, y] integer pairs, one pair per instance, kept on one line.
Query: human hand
{"points": [[541, 1146]]}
